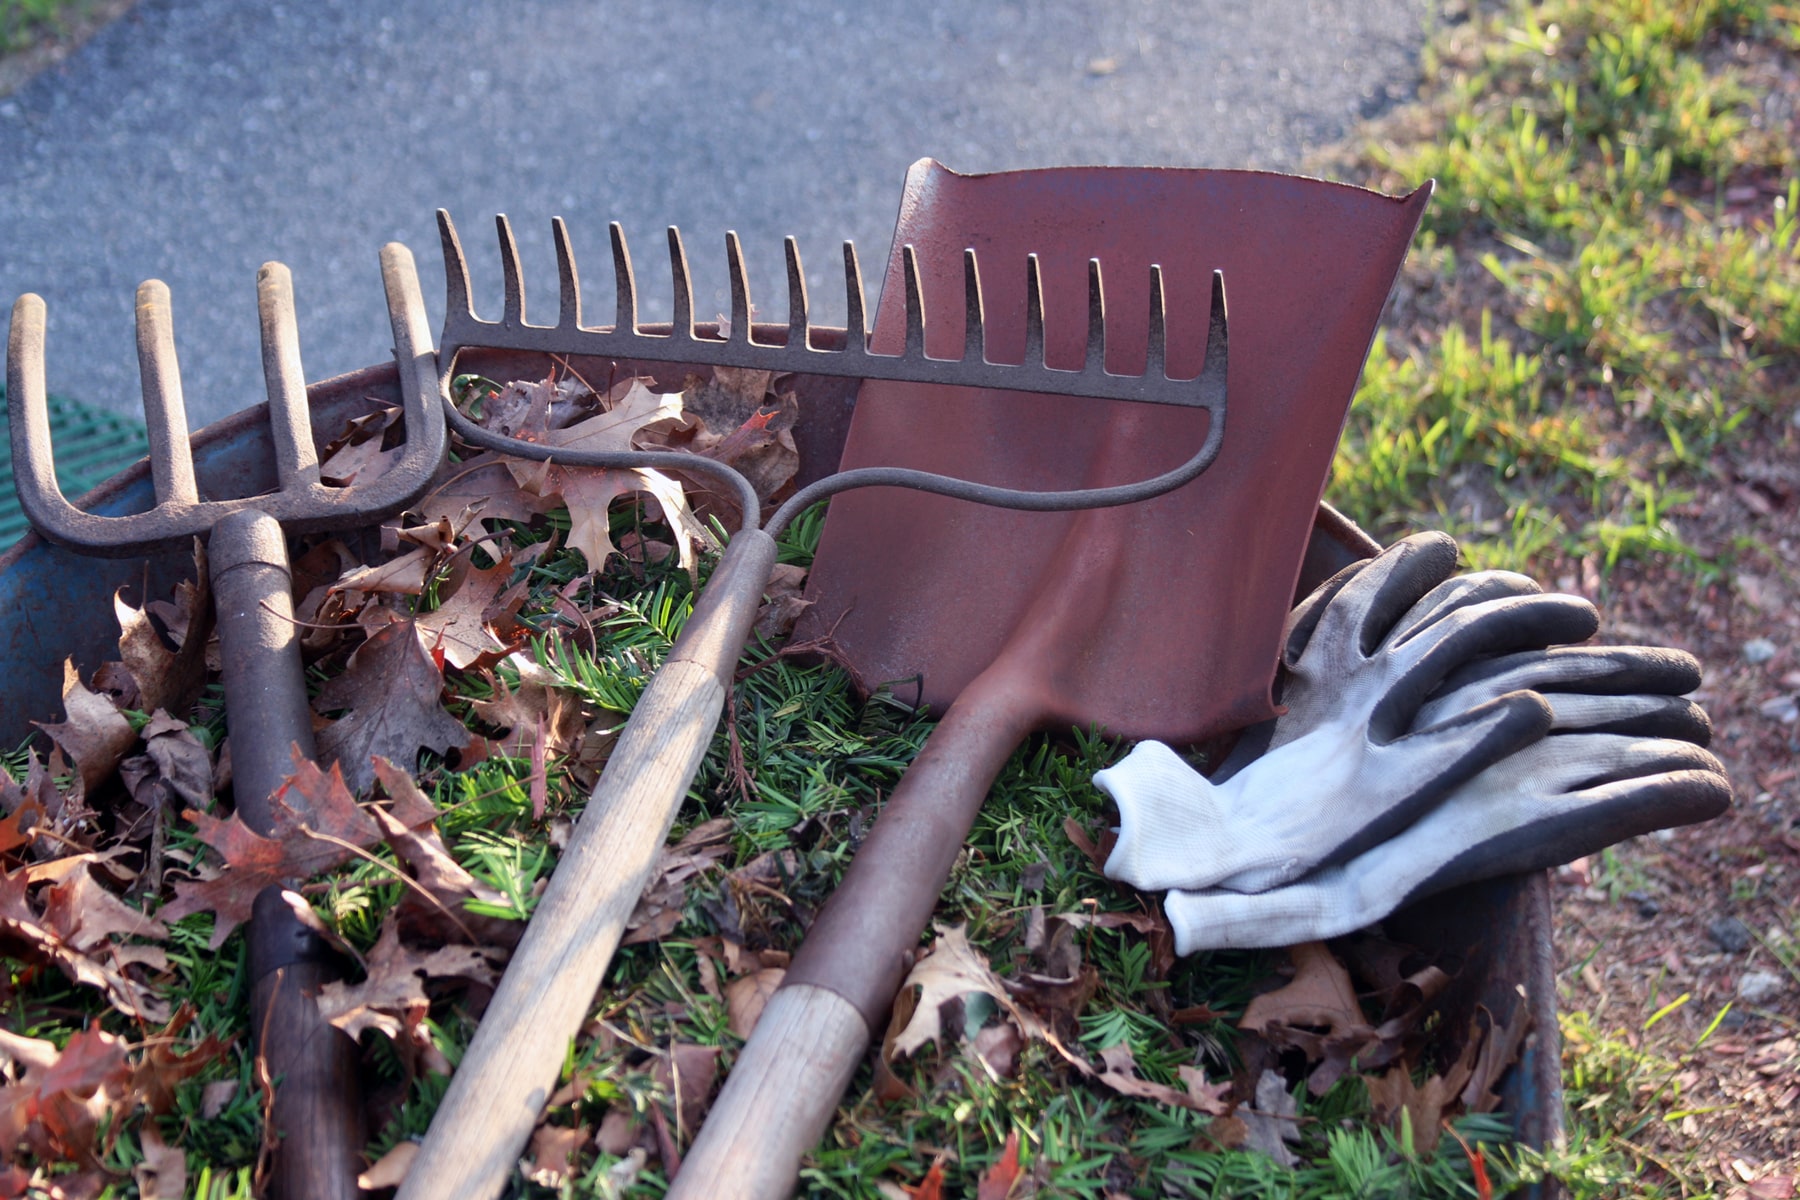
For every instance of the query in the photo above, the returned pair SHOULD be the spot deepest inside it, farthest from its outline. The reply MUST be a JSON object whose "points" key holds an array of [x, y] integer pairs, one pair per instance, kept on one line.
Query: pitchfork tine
{"points": [[683, 324], [624, 283], [165, 415], [456, 269], [296, 460], [568, 312], [799, 330], [915, 305], [740, 290], [1095, 362], [974, 322], [513, 316], [1034, 315]]}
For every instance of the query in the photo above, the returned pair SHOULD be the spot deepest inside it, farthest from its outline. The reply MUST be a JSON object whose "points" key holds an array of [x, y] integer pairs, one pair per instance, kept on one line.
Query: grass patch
{"points": [[1609, 289]]}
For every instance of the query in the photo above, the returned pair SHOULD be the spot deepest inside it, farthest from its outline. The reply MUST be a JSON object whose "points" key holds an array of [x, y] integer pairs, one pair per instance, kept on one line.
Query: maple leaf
{"points": [[292, 851], [96, 734], [458, 626], [392, 998], [391, 690]]}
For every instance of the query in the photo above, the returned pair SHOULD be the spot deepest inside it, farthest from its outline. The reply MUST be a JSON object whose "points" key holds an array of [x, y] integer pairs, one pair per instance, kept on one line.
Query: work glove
{"points": [[1613, 767], [1350, 763]]}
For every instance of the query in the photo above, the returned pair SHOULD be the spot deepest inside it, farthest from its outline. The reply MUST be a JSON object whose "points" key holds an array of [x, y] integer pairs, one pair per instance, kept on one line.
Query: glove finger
{"points": [[1361, 611], [1673, 717], [1477, 631], [1460, 591], [1614, 670], [1583, 823], [1303, 622], [1390, 788]]}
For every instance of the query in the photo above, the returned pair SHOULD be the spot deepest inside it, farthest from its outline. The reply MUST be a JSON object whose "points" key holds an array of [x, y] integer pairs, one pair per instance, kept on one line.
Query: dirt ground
{"points": [[1712, 911]]}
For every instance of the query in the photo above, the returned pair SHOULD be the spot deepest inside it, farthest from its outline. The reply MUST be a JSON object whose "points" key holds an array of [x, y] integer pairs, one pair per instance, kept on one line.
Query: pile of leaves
{"points": [[468, 679]]}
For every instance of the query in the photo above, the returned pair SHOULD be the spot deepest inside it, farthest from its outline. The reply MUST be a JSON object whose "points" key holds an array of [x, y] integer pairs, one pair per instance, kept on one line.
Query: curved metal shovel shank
{"points": [[1160, 619]]}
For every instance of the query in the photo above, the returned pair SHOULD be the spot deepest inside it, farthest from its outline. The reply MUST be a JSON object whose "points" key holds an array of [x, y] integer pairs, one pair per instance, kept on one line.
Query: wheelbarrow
{"points": [[1498, 932]]}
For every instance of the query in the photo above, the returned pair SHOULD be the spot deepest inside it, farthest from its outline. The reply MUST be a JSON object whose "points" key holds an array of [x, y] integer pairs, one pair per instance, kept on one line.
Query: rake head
{"points": [[738, 346], [301, 502]]}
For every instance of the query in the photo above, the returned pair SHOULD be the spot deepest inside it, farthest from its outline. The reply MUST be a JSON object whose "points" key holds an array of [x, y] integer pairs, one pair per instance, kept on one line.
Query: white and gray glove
{"points": [[1353, 760], [1615, 767]]}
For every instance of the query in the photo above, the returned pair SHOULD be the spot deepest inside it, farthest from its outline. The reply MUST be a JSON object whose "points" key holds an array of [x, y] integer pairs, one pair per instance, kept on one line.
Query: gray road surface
{"points": [[195, 139]]}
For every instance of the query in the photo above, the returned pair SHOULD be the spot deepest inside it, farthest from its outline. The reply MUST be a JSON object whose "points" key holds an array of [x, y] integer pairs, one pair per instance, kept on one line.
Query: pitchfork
{"points": [[315, 1106]]}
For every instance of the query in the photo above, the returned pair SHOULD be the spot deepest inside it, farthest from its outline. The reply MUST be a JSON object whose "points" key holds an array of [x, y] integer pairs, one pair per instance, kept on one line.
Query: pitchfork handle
{"points": [[511, 1066], [313, 1065]]}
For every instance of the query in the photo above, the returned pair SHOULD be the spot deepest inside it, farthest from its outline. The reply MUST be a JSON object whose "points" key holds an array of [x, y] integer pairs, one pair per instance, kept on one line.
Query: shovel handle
{"points": [[512, 1064], [785, 1086]]}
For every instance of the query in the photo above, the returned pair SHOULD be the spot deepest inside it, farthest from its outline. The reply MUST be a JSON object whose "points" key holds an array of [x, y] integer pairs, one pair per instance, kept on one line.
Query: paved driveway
{"points": [[195, 139]]}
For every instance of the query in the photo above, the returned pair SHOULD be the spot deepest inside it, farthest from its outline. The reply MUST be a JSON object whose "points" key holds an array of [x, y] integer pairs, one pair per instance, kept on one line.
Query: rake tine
{"points": [[1212, 374], [28, 413], [856, 339], [296, 460], [165, 414], [915, 305], [1034, 314], [625, 283], [568, 312], [1095, 361], [683, 324], [1155, 359], [974, 319], [513, 315], [456, 271], [799, 329], [740, 291]]}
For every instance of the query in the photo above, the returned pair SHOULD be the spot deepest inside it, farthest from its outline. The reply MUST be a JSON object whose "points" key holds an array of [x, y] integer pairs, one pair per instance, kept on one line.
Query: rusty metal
{"points": [[1161, 619], [315, 1108], [849, 355]]}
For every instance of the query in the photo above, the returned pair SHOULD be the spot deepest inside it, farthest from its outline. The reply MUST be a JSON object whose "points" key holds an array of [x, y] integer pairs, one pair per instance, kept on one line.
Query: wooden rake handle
{"points": [[785, 1086], [512, 1065]]}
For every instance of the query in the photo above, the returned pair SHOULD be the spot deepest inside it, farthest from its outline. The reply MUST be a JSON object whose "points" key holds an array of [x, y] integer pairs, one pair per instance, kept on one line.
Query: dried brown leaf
{"points": [[312, 802], [95, 734], [552, 1155], [162, 1175], [998, 1181], [390, 1170], [391, 690], [459, 625], [1121, 1075], [392, 996], [168, 679], [27, 936], [747, 996], [689, 1072]]}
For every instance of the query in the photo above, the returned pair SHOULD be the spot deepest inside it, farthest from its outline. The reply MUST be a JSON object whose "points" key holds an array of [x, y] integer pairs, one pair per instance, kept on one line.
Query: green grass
{"points": [[1614, 322], [23, 22]]}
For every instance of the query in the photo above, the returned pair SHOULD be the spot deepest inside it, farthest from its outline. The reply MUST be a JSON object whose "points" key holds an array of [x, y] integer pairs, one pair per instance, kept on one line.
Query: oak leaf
{"points": [[747, 996], [390, 1170], [997, 1182], [552, 1154], [952, 970], [1121, 1075], [459, 625], [317, 826], [392, 997], [27, 935], [391, 689], [162, 1175]]}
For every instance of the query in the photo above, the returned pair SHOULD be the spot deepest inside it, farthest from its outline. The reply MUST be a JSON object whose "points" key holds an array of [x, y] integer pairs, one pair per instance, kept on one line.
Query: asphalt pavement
{"points": [[192, 140]]}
